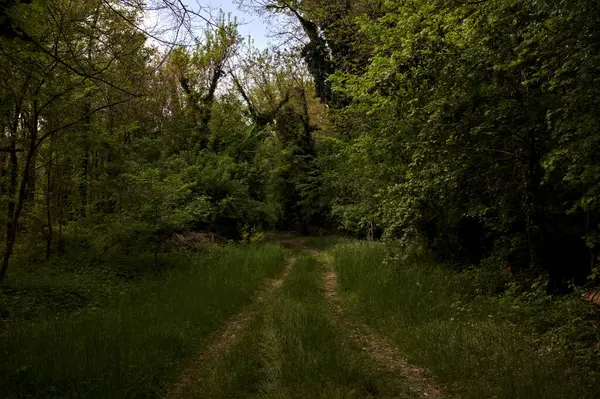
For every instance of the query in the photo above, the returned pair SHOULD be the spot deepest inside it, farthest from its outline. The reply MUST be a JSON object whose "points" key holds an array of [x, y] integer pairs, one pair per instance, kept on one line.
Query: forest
{"points": [[396, 198]]}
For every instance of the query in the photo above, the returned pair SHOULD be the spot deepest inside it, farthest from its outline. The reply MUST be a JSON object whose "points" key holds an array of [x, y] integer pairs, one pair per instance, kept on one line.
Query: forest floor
{"points": [[289, 318], [343, 322], [388, 373], [222, 340], [387, 357]]}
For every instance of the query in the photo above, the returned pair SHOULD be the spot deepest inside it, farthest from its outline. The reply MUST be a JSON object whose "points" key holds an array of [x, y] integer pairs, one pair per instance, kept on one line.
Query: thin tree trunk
{"points": [[31, 185], [371, 234], [158, 243], [11, 191], [85, 162], [83, 185], [4, 162], [12, 225], [48, 210], [61, 246], [535, 213], [85, 165], [60, 198]]}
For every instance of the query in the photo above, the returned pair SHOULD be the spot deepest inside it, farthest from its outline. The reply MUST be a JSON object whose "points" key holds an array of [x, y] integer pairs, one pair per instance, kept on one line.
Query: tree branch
{"points": [[54, 131]]}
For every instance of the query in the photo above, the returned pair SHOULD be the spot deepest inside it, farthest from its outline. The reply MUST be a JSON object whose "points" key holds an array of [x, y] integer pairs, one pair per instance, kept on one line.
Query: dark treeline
{"points": [[469, 127]]}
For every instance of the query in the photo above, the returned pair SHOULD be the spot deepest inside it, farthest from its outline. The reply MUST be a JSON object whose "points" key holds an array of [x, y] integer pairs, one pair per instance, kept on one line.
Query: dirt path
{"points": [[386, 356], [198, 368]]}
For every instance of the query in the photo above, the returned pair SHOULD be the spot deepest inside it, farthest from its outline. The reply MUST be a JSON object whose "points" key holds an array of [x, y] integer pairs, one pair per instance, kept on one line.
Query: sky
{"points": [[249, 25]]}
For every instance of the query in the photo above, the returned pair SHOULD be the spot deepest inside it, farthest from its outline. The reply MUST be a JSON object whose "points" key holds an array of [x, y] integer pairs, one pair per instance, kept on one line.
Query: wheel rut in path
{"points": [[200, 366], [385, 355]]}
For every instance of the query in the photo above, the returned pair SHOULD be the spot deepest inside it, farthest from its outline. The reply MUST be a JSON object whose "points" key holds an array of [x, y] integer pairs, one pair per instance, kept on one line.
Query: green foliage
{"points": [[473, 125]]}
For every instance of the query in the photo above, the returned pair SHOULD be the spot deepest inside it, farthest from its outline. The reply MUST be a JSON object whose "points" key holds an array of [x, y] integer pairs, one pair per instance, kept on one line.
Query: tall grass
{"points": [[466, 345], [136, 344], [296, 350]]}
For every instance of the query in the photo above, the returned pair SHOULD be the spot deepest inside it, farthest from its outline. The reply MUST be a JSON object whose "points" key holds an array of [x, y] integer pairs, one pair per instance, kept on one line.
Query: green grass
{"points": [[129, 338], [470, 346], [295, 350], [127, 329]]}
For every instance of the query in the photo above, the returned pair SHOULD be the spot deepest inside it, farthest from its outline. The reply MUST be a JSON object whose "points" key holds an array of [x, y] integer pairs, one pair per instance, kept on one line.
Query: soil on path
{"points": [[386, 356], [201, 366]]}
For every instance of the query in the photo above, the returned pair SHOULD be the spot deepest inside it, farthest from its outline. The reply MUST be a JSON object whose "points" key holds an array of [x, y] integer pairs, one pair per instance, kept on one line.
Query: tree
{"points": [[200, 72], [51, 73], [463, 107]]}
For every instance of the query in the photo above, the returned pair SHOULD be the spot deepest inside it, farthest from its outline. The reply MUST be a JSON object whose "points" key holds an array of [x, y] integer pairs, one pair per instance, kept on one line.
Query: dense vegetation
{"points": [[466, 129], [470, 126], [478, 346]]}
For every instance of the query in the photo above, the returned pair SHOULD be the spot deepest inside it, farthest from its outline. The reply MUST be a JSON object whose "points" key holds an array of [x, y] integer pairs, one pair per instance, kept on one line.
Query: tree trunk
{"points": [[31, 185], [83, 184], [13, 222], [317, 58], [60, 197], [4, 164], [11, 191], [158, 243], [535, 213], [61, 245], [85, 160], [48, 206]]}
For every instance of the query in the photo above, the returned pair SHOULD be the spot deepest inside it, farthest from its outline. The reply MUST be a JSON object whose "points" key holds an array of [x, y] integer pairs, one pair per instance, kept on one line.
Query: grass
{"points": [[126, 338], [127, 329], [469, 345], [295, 350]]}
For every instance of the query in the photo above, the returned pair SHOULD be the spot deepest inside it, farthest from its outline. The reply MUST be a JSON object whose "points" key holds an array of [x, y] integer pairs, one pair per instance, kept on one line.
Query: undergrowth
{"points": [[97, 332], [478, 344]]}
